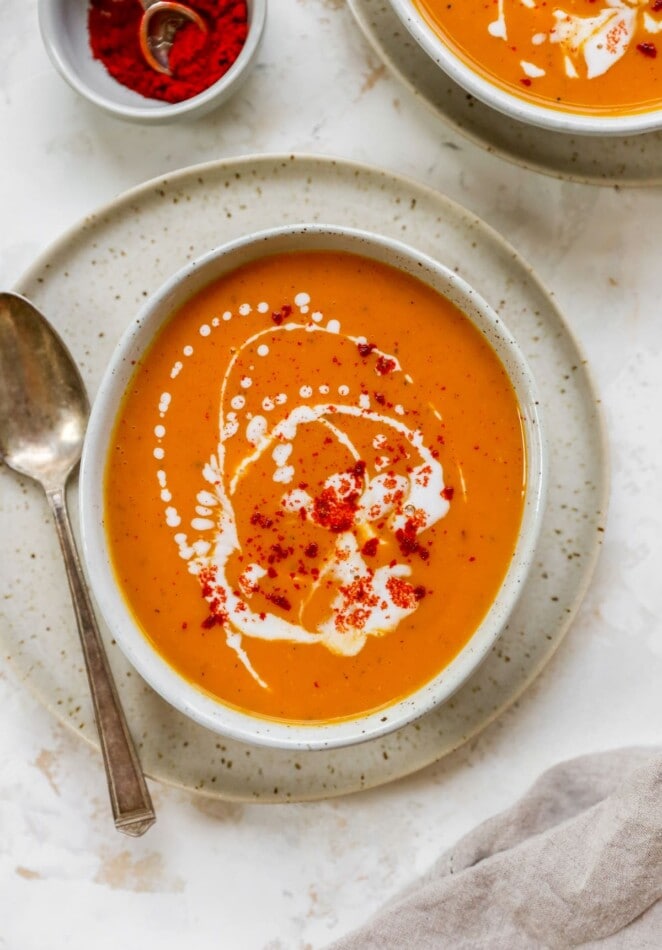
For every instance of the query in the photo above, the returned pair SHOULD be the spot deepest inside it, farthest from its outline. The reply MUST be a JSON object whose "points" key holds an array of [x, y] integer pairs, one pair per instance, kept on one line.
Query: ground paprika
{"points": [[197, 60]]}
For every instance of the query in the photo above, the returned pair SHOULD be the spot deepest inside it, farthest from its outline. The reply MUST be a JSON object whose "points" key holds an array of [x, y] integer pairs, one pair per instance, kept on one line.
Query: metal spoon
{"points": [[43, 415], [158, 26]]}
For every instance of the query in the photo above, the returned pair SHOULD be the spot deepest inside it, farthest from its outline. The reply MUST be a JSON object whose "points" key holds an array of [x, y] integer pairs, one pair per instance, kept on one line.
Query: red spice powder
{"points": [[197, 60]]}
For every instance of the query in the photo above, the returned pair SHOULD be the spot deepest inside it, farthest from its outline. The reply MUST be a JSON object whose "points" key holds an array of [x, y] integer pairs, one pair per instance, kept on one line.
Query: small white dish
{"points": [[179, 692], [516, 107], [64, 30]]}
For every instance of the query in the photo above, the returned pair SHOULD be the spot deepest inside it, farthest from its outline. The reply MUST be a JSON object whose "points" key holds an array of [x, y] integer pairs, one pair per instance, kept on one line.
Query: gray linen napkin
{"points": [[576, 862]]}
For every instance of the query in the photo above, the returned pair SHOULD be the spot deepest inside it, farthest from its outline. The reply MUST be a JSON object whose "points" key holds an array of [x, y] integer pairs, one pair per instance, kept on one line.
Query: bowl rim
{"points": [[516, 107], [167, 111], [151, 665]]}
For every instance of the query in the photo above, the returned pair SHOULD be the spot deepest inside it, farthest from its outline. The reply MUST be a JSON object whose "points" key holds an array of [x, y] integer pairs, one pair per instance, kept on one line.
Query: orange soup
{"points": [[587, 56], [314, 486]]}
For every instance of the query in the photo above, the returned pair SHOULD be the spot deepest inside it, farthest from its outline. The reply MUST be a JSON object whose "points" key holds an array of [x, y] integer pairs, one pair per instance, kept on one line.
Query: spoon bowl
{"points": [[158, 27], [43, 417]]}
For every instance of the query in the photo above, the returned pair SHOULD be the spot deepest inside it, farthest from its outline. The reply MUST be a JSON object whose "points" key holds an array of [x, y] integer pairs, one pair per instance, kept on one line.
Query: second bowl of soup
{"points": [[571, 66], [311, 486]]}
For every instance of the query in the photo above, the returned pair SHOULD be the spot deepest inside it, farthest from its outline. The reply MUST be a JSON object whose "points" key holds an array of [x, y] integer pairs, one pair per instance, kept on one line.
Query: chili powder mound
{"points": [[197, 59]]}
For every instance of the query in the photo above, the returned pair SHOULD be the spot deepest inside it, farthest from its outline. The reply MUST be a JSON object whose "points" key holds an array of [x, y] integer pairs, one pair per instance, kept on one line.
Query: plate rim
{"points": [[113, 206]]}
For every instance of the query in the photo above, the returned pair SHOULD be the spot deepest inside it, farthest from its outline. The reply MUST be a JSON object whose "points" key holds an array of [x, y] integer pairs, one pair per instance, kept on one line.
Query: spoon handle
{"points": [[129, 795]]}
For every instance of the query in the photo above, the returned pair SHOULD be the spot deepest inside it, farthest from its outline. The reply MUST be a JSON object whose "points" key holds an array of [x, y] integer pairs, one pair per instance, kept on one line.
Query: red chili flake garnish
{"points": [[406, 538], [359, 469], [385, 365], [304, 485], [525, 82], [369, 549], [281, 314], [278, 553], [261, 520], [316, 684], [402, 593], [272, 572], [380, 398], [212, 620], [419, 592], [648, 49], [365, 349], [448, 493], [312, 550], [303, 514], [279, 601], [656, 5], [184, 625], [472, 558], [334, 512]]}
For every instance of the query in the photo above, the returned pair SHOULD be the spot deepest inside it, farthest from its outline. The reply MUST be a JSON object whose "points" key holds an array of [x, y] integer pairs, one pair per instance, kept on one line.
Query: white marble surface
{"points": [[226, 875]]}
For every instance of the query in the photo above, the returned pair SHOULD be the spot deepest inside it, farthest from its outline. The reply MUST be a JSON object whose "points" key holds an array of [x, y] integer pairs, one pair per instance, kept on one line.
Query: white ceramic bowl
{"points": [[63, 25], [512, 105], [138, 337]]}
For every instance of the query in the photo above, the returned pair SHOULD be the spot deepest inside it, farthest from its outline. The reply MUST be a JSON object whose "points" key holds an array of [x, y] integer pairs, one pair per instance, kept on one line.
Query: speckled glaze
{"points": [[595, 159], [63, 26], [100, 273], [140, 335]]}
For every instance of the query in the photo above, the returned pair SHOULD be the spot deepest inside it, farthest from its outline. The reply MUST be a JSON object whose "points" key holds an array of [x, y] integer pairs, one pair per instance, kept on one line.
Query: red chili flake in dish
{"points": [[365, 349], [369, 549], [380, 398], [448, 493], [525, 82], [648, 49], [419, 592], [312, 550], [272, 572], [385, 365], [656, 5]]}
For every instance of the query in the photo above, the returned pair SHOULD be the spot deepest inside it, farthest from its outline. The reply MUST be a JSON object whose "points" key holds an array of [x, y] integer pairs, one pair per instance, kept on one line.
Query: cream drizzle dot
{"points": [[172, 517], [166, 495], [302, 299], [343, 390], [317, 316], [161, 476], [333, 326], [281, 398], [306, 392], [263, 349], [188, 351], [399, 410], [159, 431], [262, 307], [176, 369], [205, 329], [267, 404], [245, 309], [227, 316], [246, 382], [323, 390], [238, 402], [164, 402], [158, 452]]}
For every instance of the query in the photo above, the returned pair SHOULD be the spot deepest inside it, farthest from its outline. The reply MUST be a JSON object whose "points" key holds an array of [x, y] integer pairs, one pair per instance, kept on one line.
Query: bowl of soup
{"points": [[311, 486], [575, 66]]}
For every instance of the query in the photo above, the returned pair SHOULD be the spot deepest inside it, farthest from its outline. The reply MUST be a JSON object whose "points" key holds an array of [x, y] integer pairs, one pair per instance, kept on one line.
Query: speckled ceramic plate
{"points": [[600, 160], [90, 284]]}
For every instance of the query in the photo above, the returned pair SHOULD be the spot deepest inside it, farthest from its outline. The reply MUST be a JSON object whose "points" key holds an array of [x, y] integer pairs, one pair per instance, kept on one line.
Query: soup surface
{"points": [[586, 56], [314, 486]]}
